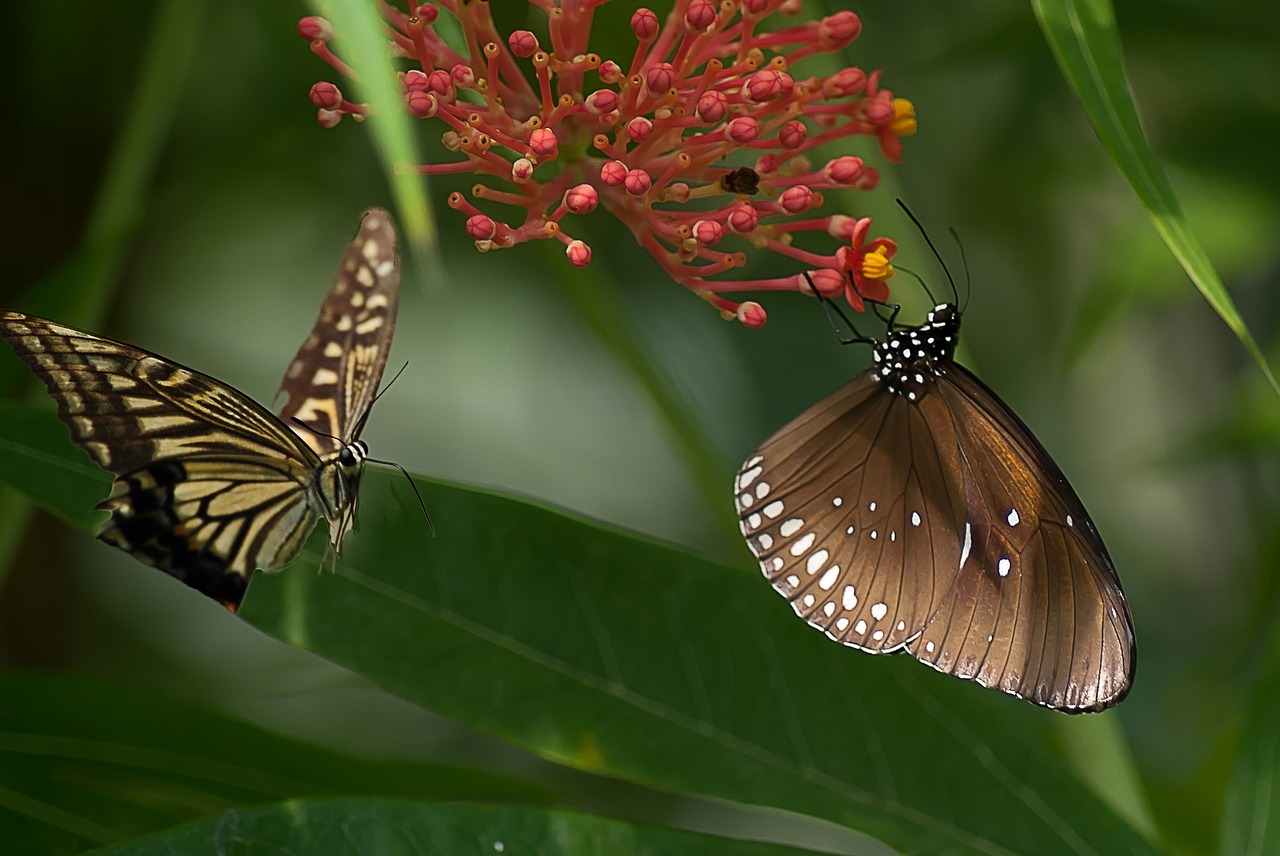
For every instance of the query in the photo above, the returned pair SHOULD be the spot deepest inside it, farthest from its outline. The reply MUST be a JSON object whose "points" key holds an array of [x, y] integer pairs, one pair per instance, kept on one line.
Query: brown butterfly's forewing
{"points": [[332, 380], [913, 510]]}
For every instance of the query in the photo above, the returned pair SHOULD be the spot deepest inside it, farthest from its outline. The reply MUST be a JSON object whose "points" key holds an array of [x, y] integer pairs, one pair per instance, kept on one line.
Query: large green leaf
{"points": [[365, 827], [1085, 40], [85, 764], [617, 655]]}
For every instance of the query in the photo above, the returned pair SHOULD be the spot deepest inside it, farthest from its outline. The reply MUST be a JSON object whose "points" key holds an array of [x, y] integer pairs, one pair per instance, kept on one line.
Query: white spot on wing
{"points": [[968, 543], [802, 546], [849, 599], [762, 490], [878, 610], [773, 509], [1013, 517], [816, 561], [828, 579], [928, 646], [765, 540], [1002, 567], [860, 628], [789, 527]]}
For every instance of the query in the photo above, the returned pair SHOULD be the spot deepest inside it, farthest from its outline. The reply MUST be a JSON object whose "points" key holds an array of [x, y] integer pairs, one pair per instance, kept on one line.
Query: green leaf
{"points": [[616, 655], [40, 460], [354, 827], [1249, 826], [85, 764], [620, 656], [1084, 38], [361, 41]]}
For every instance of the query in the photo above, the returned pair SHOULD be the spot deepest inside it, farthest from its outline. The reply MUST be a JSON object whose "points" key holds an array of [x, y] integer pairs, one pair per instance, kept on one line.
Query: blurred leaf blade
{"points": [[84, 764], [1085, 41], [361, 37], [393, 827]]}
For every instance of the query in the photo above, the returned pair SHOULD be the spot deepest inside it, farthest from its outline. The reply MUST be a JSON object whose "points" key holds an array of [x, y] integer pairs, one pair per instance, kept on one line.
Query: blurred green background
{"points": [[1078, 316]]}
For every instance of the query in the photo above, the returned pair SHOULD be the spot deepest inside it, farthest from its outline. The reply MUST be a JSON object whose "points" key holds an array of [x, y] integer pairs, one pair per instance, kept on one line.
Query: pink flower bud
{"points": [[521, 170], [796, 200], [610, 72], [314, 27], [422, 105], [328, 118], [613, 173], [879, 110], [752, 315], [637, 182], [578, 253], [414, 80], [767, 163], [843, 170], [581, 199], [742, 218], [463, 76], [660, 78], [838, 30], [712, 106], [767, 84], [440, 82], [742, 130], [708, 232], [645, 25], [700, 15], [326, 95], [841, 226], [428, 12], [846, 81], [757, 8], [522, 43], [602, 101], [828, 282], [544, 144], [792, 134], [481, 227], [639, 129]]}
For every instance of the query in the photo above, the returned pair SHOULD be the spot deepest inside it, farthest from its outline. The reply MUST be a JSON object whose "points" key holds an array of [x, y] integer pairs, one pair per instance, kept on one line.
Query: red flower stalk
{"points": [[701, 136]]}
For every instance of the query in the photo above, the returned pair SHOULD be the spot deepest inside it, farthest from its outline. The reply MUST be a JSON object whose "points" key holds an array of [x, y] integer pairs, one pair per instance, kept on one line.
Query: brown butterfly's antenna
{"points": [[954, 291], [405, 472]]}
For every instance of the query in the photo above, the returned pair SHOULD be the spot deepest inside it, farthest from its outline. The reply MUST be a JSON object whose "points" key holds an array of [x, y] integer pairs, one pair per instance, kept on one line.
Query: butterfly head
{"points": [[907, 360]]}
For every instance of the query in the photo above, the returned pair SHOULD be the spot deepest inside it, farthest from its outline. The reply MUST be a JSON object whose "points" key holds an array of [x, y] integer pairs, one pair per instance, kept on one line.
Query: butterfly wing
{"points": [[1037, 608], [884, 522], [332, 380], [173, 436], [838, 516]]}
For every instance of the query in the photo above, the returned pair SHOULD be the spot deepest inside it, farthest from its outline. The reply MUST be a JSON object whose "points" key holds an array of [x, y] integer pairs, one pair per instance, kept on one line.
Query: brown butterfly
{"points": [[209, 484], [913, 511]]}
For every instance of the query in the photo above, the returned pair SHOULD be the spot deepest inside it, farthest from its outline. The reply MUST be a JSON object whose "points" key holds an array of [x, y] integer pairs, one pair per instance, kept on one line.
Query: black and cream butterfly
{"points": [[209, 484], [913, 511]]}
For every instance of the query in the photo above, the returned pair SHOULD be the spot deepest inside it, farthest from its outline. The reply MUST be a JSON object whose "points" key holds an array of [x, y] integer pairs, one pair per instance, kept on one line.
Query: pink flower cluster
{"points": [[702, 135]]}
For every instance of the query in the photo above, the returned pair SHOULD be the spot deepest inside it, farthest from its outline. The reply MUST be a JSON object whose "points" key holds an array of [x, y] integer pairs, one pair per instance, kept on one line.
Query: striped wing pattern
{"points": [[185, 449], [210, 485], [332, 380]]}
